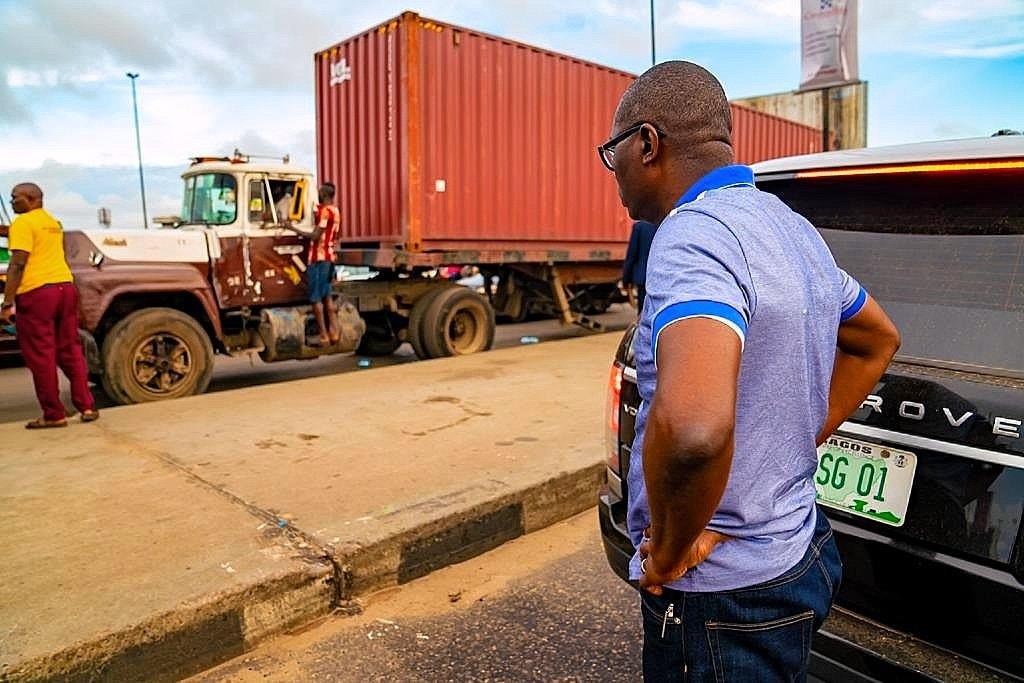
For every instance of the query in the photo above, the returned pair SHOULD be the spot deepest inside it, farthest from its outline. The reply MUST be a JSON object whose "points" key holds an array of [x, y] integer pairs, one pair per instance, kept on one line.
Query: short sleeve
{"points": [[853, 296], [697, 269], [20, 236]]}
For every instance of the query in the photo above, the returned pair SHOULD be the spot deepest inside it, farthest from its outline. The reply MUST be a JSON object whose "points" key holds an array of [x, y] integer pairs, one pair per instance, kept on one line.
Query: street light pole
{"points": [[653, 59], [138, 149]]}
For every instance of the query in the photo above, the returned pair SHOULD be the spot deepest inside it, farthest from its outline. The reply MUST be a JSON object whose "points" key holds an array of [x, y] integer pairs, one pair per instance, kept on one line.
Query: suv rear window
{"points": [[942, 252]]}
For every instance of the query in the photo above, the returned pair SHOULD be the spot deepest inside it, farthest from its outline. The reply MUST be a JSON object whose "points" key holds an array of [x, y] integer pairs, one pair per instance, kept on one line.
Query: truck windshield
{"points": [[210, 199]]}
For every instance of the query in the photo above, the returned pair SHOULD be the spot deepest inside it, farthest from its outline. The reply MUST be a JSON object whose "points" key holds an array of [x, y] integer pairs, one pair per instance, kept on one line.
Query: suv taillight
{"points": [[611, 431]]}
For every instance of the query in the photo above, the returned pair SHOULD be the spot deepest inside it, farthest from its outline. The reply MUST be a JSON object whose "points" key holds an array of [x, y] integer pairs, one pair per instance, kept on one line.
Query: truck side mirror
{"points": [[295, 211]]}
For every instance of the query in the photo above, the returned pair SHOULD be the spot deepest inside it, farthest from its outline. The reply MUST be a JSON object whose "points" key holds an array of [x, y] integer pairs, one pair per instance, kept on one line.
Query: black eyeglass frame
{"points": [[609, 146]]}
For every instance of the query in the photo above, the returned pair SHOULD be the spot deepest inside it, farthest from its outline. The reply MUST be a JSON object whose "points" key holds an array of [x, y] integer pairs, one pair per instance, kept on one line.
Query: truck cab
{"points": [[250, 213], [226, 275]]}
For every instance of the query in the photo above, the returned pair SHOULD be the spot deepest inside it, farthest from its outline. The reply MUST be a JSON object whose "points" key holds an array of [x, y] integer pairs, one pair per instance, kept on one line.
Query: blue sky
{"points": [[214, 80]]}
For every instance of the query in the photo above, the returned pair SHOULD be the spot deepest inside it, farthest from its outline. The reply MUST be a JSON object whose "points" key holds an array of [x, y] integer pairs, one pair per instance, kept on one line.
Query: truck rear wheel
{"points": [[416, 318], [156, 354], [457, 322]]}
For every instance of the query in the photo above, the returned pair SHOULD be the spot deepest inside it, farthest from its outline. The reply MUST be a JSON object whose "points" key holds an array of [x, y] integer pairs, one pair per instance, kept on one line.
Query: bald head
{"points": [[673, 125], [689, 104], [26, 197]]}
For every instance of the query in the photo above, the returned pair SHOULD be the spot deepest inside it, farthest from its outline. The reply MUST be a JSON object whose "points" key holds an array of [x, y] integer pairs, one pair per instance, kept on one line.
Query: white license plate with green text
{"points": [[865, 479]]}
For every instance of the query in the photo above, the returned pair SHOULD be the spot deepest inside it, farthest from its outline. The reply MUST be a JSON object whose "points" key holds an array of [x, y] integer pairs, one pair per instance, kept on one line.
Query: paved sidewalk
{"points": [[168, 537]]}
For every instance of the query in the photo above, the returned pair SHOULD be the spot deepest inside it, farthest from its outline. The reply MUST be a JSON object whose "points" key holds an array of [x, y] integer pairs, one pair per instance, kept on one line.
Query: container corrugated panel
{"points": [[362, 142], [510, 132], [757, 136], [444, 138]]}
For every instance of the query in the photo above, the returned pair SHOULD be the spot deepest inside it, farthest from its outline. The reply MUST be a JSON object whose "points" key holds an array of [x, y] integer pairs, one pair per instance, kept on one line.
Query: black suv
{"points": [[924, 484]]}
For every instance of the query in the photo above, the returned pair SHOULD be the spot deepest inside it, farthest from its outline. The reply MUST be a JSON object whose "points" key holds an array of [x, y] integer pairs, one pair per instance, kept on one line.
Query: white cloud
{"points": [[74, 192], [773, 20], [960, 10], [988, 52], [988, 29]]}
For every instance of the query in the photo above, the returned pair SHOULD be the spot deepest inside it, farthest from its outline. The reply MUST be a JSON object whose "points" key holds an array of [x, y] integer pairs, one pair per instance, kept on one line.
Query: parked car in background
{"points": [[924, 484]]}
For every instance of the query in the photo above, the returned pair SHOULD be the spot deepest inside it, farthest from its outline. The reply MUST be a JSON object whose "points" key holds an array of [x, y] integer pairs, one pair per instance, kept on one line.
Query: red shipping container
{"points": [[441, 138]]}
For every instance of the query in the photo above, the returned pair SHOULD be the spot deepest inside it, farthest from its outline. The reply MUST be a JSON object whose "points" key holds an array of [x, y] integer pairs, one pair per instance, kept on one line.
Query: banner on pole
{"points": [[828, 43]]}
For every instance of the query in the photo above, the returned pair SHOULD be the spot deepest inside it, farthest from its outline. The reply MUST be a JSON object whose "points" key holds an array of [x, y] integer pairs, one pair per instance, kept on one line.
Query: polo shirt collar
{"points": [[724, 176]]}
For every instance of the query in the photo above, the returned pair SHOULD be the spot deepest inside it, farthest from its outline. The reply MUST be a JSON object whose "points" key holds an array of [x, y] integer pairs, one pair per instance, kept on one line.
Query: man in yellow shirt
{"points": [[40, 289]]}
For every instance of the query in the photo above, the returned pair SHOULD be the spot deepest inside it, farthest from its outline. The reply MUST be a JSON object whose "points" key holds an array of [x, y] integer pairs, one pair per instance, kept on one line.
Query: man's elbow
{"points": [[890, 340], [695, 443]]}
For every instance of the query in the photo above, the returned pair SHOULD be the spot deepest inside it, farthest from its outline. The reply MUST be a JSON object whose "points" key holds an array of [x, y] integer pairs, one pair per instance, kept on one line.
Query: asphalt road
{"points": [[18, 402], [544, 607]]}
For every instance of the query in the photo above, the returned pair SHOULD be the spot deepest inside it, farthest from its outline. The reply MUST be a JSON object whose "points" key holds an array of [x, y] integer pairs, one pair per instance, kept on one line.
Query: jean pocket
{"points": [[776, 650], [831, 565]]}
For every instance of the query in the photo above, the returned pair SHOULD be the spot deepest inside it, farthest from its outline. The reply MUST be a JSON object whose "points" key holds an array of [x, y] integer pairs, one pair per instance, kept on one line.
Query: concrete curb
{"points": [[193, 637], [461, 534], [201, 634]]}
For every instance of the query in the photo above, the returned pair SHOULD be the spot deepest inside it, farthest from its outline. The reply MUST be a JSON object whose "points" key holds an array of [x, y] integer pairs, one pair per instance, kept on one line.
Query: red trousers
{"points": [[47, 326]]}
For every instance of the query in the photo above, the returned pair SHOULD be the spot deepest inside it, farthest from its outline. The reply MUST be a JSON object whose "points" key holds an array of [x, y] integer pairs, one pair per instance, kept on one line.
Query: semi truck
{"points": [[448, 147]]}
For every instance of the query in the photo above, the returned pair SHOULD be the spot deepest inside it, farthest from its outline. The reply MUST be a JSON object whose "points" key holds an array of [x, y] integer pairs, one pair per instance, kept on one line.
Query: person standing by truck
{"points": [[320, 264], [40, 285], [755, 347], [634, 268]]}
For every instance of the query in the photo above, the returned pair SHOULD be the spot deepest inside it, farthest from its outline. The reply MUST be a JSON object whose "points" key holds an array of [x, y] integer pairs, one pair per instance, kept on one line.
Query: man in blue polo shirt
{"points": [[753, 346]]}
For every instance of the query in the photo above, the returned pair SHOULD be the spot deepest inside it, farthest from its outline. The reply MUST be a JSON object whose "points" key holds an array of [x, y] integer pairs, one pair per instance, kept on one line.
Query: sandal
{"points": [[90, 415], [43, 423]]}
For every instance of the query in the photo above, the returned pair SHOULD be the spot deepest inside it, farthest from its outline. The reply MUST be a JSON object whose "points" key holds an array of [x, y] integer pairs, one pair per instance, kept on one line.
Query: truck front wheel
{"points": [[155, 354]]}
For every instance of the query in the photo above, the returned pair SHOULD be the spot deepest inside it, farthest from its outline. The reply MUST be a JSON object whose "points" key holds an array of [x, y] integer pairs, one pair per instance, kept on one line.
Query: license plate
{"points": [[865, 479]]}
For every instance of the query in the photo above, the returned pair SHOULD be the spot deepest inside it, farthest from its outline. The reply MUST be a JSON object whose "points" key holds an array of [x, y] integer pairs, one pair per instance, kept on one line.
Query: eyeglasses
{"points": [[607, 150]]}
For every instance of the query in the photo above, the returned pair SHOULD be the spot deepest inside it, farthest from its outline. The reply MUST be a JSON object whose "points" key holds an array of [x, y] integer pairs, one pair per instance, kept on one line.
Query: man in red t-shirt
{"points": [[320, 270]]}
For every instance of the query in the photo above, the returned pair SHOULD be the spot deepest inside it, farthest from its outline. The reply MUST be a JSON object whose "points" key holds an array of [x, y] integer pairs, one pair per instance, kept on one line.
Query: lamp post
{"points": [[653, 59], [138, 149]]}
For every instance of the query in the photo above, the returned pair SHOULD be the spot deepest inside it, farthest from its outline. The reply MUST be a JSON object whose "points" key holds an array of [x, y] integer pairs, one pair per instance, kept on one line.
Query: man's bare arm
{"points": [[688, 444], [865, 345], [313, 234], [15, 272]]}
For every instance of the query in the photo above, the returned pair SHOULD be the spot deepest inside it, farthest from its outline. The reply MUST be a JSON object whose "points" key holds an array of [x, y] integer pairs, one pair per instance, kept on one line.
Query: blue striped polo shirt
{"points": [[735, 254]]}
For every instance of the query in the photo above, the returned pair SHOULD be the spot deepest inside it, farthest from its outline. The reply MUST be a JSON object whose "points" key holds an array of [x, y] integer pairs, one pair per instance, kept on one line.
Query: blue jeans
{"points": [[760, 633], [319, 275]]}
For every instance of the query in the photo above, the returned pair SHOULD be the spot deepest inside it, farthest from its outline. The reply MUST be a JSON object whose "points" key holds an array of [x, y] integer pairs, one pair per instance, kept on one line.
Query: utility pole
{"points": [[138, 149], [653, 59]]}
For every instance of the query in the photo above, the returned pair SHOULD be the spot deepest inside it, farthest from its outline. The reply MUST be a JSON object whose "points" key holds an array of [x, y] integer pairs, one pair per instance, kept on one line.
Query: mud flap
{"points": [[92, 352]]}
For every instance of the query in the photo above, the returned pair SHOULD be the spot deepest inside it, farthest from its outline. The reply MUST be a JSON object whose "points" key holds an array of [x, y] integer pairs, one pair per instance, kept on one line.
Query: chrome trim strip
{"points": [[914, 441], [614, 482]]}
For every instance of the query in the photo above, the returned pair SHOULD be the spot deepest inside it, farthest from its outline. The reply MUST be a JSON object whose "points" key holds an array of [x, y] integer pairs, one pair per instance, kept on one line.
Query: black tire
{"points": [[458, 322], [416, 316], [156, 354], [380, 338], [521, 315]]}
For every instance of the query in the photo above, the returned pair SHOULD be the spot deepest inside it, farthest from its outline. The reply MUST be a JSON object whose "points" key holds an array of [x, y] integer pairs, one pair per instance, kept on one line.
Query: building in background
{"points": [[831, 97], [840, 112]]}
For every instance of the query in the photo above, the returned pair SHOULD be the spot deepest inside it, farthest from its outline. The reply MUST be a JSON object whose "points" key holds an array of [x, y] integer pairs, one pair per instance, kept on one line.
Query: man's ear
{"points": [[650, 143]]}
